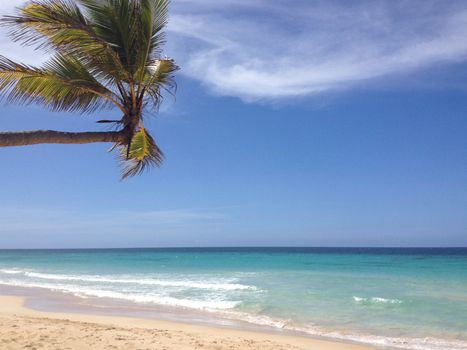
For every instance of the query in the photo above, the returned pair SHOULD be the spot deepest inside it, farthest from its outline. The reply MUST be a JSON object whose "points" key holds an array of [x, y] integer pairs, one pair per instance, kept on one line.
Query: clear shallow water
{"points": [[407, 298]]}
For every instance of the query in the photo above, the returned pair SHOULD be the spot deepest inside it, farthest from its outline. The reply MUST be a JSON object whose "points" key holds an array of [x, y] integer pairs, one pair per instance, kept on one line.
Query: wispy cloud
{"points": [[263, 50], [258, 49]]}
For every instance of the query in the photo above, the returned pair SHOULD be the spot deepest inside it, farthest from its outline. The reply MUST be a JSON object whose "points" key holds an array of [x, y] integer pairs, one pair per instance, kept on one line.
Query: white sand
{"points": [[22, 328]]}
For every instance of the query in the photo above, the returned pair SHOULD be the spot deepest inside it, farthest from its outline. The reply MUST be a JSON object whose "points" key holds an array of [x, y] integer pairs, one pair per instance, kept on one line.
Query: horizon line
{"points": [[244, 247]]}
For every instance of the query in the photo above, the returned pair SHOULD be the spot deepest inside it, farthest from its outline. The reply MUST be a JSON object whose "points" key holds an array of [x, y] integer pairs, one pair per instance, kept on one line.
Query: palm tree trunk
{"points": [[23, 138]]}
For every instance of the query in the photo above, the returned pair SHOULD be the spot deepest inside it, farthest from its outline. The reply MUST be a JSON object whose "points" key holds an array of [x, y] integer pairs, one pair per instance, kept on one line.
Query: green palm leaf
{"points": [[141, 153], [60, 25], [63, 84], [159, 77]]}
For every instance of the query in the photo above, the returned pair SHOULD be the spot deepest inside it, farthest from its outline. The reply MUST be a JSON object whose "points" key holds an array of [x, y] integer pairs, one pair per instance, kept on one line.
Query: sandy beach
{"points": [[23, 328]]}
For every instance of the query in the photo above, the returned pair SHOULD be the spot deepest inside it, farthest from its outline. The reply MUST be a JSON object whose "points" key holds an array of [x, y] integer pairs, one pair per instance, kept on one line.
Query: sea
{"points": [[407, 298]]}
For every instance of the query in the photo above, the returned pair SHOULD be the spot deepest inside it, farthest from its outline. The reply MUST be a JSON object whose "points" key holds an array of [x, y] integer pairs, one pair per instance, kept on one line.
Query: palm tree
{"points": [[104, 54]]}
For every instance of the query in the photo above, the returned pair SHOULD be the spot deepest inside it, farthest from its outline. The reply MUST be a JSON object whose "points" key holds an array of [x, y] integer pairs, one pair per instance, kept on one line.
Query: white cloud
{"points": [[261, 50], [264, 49]]}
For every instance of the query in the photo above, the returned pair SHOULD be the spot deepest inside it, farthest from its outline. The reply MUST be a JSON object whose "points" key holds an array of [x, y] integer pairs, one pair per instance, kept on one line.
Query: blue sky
{"points": [[304, 123]]}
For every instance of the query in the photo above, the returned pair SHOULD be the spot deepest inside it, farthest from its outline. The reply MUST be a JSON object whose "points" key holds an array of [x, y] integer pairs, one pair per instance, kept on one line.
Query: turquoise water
{"points": [[406, 298]]}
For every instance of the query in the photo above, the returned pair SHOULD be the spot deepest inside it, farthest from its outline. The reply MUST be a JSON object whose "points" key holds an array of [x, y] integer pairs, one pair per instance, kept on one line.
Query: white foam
{"points": [[428, 343], [221, 285], [80, 291], [160, 300], [11, 271], [377, 300], [261, 320]]}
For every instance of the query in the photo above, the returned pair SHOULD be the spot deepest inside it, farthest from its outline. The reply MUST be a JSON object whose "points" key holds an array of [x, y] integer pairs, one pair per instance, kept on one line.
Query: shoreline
{"points": [[81, 330]]}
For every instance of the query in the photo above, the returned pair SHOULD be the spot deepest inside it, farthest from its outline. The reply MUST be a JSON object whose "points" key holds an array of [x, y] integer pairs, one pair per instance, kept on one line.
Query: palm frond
{"points": [[153, 15], [159, 76], [134, 28], [116, 22], [49, 23], [60, 25], [63, 84], [160, 19], [140, 154]]}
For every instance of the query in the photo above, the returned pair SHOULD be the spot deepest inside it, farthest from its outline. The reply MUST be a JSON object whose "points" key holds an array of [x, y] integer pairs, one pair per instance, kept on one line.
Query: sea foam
{"points": [[85, 292], [376, 300], [181, 283]]}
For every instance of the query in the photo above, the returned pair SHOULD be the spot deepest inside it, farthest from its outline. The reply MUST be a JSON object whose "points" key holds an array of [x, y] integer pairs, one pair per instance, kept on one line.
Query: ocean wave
{"points": [[219, 285], [161, 300], [260, 320], [10, 271], [85, 292], [428, 343], [376, 300]]}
